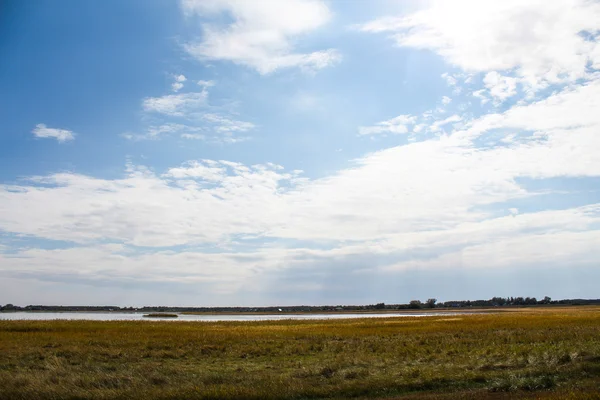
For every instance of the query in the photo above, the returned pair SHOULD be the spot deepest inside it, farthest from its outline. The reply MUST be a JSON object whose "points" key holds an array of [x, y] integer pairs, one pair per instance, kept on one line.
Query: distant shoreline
{"points": [[366, 312], [495, 304], [433, 311]]}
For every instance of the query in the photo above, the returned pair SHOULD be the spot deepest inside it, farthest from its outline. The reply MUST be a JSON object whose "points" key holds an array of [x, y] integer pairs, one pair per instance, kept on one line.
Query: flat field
{"points": [[551, 353]]}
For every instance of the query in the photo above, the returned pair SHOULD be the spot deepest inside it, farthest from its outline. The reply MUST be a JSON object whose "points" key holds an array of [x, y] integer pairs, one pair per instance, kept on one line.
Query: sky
{"points": [[253, 153]]}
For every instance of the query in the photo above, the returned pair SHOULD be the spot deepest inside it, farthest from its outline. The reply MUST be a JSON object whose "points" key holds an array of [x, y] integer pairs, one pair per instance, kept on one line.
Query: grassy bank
{"points": [[552, 353]]}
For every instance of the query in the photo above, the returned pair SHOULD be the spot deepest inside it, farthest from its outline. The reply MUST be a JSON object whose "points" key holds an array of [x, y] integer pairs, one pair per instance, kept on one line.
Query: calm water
{"points": [[118, 316]]}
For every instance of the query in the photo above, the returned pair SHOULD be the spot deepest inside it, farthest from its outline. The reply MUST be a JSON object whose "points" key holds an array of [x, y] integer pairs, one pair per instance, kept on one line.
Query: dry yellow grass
{"points": [[545, 353]]}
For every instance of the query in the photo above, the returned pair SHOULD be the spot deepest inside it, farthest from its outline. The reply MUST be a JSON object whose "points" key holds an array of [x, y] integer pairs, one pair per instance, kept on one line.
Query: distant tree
{"points": [[545, 300], [498, 301], [531, 301], [431, 303], [380, 306], [415, 304], [519, 301]]}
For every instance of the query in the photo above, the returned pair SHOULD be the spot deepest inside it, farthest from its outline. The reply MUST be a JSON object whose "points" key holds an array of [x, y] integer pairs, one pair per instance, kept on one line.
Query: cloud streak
{"points": [[176, 105]]}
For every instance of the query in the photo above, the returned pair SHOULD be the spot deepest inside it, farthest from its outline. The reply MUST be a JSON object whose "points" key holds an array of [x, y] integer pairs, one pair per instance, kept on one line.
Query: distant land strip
{"points": [[430, 304]]}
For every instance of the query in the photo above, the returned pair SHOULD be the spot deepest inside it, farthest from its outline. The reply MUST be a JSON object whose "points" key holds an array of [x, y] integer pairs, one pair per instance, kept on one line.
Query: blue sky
{"points": [[227, 152]]}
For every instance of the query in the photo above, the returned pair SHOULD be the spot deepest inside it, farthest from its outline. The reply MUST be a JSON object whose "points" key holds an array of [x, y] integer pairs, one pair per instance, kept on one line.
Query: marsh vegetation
{"points": [[554, 353]]}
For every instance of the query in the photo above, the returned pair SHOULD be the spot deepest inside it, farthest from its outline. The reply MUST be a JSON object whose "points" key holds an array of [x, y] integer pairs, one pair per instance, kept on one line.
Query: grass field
{"points": [[533, 353]]}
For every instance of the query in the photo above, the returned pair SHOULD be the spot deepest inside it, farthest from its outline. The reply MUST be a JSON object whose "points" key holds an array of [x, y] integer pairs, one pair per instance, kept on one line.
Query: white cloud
{"points": [[446, 100], [160, 131], [437, 125], [194, 136], [208, 171], [419, 127], [225, 125], [62, 135], [191, 108], [446, 197], [178, 84], [500, 87], [450, 79], [220, 272], [481, 96], [142, 207], [527, 250], [396, 125], [539, 40], [429, 185], [209, 127], [176, 105], [206, 84], [262, 33], [540, 238], [432, 185]]}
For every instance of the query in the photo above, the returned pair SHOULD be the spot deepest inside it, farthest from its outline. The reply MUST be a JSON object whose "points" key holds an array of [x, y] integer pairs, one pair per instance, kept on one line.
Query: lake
{"points": [[124, 316]]}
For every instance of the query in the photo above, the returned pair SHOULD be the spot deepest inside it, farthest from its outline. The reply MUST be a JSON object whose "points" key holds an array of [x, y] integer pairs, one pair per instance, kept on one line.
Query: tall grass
{"points": [[555, 353]]}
